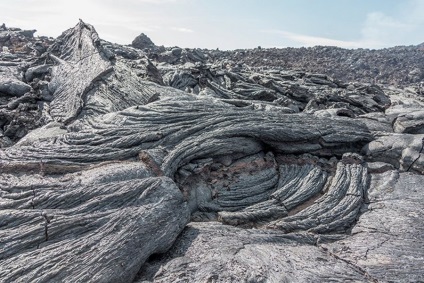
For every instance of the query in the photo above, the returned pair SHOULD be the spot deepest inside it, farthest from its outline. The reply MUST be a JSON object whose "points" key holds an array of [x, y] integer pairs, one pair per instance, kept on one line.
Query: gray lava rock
{"points": [[411, 123], [192, 165], [81, 61], [142, 41], [219, 253], [13, 87], [403, 151], [393, 249], [89, 227]]}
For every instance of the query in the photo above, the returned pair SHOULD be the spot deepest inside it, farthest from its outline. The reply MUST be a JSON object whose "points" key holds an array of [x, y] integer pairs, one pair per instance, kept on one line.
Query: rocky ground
{"points": [[142, 163]]}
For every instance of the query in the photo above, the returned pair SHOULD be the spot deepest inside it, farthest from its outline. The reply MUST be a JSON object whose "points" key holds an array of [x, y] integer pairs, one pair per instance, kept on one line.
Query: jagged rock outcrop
{"points": [[147, 164], [21, 95], [143, 42], [17, 44]]}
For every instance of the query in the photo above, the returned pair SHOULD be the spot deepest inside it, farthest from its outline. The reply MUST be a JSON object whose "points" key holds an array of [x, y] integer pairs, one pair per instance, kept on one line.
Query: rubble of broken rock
{"points": [[145, 163], [23, 83]]}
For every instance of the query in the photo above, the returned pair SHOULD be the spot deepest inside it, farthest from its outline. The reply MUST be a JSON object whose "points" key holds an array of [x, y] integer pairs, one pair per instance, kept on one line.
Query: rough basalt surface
{"points": [[150, 164]]}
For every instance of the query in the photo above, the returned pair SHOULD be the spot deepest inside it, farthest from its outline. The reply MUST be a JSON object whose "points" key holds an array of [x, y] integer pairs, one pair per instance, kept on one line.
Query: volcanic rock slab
{"points": [[85, 227]]}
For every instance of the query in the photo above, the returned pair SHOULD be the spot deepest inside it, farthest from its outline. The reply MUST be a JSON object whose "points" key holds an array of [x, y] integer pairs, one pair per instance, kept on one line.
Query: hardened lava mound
{"points": [[150, 164]]}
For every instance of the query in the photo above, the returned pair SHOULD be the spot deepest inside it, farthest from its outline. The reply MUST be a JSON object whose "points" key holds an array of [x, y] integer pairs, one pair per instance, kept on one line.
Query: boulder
{"points": [[13, 87]]}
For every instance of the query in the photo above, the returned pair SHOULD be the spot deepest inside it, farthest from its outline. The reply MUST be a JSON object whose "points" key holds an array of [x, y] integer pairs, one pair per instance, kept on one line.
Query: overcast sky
{"points": [[230, 24]]}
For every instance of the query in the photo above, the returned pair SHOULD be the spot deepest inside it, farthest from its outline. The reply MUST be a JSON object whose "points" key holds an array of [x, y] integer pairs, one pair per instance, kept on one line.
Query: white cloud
{"points": [[186, 30], [379, 30], [403, 29], [384, 30], [308, 40]]}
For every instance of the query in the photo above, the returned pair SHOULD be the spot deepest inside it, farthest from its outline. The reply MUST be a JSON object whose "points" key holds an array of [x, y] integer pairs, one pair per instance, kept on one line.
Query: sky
{"points": [[229, 24]]}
